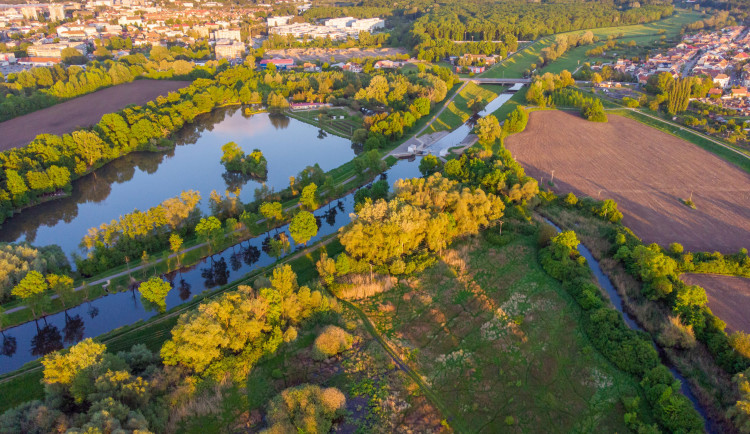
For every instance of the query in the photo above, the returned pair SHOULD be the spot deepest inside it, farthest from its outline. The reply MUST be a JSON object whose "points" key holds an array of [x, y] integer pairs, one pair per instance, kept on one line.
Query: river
{"points": [[32, 340], [455, 137], [144, 179], [616, 300]]}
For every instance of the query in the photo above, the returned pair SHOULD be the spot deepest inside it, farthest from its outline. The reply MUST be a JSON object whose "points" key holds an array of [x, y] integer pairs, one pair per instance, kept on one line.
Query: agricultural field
{"points": [[647, 172], [82, 112], [514, 66], [498, 341], [458, 111], [728, 298]]}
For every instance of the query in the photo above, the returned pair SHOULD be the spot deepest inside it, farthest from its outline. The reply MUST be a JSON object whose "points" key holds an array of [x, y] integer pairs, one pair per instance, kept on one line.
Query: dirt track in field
{"points": [[647, 172], [728, 298], [81, 112]]}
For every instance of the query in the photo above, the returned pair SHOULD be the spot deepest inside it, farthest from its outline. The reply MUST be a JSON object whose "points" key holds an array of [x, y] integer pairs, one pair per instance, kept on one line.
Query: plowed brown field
{"points": [[647, 172], [728, 298], [81, 112]]}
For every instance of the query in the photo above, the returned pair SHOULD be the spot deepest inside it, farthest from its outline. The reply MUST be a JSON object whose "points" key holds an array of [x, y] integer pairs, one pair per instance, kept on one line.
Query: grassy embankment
{"points": [[23, 385], [487, 323], [514, 66], [457, 111], [338, 121]]}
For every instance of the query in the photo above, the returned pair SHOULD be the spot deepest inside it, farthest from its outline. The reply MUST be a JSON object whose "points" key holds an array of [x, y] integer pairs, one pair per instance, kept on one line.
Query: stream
{"points": [[34, 339], [616, 300]]}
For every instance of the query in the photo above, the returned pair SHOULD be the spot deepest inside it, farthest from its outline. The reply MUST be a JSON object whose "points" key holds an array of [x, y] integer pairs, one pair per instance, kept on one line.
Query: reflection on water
{"points": [[29, 341], [144, 179]]}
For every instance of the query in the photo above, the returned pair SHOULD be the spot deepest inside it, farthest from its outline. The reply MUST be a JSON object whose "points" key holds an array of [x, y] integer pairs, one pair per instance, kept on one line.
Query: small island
{"points": [[235, 160]]}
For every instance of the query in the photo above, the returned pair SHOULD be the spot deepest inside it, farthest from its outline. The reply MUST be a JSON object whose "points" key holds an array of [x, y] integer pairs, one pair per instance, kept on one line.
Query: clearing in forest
{"points": [[498, 340], [82, 112], [647, 172]]}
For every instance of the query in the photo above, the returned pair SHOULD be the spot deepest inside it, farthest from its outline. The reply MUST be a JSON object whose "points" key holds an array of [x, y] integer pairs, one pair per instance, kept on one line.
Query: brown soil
{"points": [[728, 298], [340, 54], [81, 112], [646, 172]]}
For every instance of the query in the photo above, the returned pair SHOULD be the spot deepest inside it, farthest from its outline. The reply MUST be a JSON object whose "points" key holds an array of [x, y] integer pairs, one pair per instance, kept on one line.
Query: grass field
{"points": [[519, 98], [338, 121], [514, 66], [458, 112], [647, 172], [498, 340]]}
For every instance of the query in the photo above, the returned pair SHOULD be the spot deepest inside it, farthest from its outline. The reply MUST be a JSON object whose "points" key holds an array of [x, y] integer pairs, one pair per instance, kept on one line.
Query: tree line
{"points": [[50, 163], [40, 87]]}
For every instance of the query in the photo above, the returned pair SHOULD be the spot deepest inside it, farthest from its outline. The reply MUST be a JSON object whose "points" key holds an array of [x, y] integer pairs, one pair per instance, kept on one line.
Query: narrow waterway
{"points": [[616, 300], [144, 179], [455, 137], [32, 340]]}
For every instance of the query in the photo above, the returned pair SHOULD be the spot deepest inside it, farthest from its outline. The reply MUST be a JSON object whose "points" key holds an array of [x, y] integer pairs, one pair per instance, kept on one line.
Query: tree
{"points": [[309, 196], [62, 286], [303, 227], [596, 78], [155, 290], [63, 368], [175, 244], [429, 165], [488, 130], [271, 211], [208, 229], [71, 56], [31, 289], [305, 408]]}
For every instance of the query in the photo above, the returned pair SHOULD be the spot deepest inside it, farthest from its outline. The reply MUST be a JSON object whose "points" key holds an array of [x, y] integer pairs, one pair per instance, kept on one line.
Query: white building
{"points": [[368, 25], [279, 21], [234, 50], [56, 12], [340, 22], [231, 34]]}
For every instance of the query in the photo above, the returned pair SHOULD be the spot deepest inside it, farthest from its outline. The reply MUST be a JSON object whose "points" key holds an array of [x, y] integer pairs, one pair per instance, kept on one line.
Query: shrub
{"points": [[332, 341], [305, 408]]}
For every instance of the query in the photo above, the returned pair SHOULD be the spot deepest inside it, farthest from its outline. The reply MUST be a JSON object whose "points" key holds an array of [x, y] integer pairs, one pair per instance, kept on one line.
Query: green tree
{"points": [[303, 227], [71, 56], [488, 130], [155, 291], [208, 229], [175, 244], [62, 368], [309, 196], [62, 286], [271, 211], [31, 289]]}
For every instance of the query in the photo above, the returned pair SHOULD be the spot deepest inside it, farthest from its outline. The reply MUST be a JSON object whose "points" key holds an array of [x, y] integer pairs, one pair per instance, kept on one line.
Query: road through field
{"points": [[81, 112], [647, 172]]}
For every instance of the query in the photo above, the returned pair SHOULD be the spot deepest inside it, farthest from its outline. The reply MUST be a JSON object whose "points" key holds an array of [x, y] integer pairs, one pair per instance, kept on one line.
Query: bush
{"points": [[305, 408], [332, 341]]}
